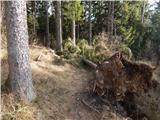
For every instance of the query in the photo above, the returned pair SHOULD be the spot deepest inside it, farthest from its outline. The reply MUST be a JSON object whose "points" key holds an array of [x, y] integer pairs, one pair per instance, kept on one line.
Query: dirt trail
{"points": [[58, 89]]}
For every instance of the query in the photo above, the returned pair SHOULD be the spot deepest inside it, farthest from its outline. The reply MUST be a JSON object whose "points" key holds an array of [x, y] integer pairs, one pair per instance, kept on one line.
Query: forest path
{"points": [[60, 88]]}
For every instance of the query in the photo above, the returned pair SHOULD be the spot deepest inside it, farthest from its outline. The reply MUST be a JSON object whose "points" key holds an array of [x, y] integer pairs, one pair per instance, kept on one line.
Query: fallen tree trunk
{"points": [[89, 63]]}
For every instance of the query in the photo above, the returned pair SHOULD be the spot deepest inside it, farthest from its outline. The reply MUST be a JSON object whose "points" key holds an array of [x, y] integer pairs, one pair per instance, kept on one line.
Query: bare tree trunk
{"points": [[34, 16], [20, 77], [58, 27], [142, 12], [110, 20], [90, 24], [108, 25], [47, 26], [0, 24], [78, 30], [74, 32]]}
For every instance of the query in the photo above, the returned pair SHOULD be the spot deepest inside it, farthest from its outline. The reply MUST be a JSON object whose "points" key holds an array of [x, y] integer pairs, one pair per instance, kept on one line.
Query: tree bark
{"points": [[34, 16], [59, 47], [110, 20], [108, 25], [20, 77], [90, 24], [74, 32], [47, 26], [78, 30], [0, 25], [142, 12], [89, 63]]}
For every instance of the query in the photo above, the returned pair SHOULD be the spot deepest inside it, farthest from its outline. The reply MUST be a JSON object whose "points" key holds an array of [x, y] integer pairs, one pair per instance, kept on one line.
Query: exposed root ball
{"points": [[120, 75]]}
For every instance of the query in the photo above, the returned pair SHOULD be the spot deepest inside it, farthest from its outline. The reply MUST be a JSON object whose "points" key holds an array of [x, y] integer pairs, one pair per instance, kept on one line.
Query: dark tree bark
{"points": [[20, 77], [47, 26], [58, 27], [90, 23]]}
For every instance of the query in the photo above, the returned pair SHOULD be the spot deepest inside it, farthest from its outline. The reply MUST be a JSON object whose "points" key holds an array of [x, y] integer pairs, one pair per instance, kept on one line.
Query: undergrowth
{"points": [[100, 50]]}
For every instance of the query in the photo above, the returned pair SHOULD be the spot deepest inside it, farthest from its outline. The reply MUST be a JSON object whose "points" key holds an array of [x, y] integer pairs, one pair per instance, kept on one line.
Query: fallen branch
{"points": [[89, 63]]}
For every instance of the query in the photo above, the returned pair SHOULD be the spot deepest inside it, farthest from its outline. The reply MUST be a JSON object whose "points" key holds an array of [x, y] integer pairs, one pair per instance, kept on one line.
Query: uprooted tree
{"points": [[118, 76]]}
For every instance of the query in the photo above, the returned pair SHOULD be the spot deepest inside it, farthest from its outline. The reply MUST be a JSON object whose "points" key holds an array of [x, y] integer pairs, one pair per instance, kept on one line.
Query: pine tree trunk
{"points": [[1, 18], [110, 20], [78, 30], [58, 27], [142, 12], [73, 32], [0, 22], [34, 16], [20, 77], [108, 25], [90, 24], [47, 27]]}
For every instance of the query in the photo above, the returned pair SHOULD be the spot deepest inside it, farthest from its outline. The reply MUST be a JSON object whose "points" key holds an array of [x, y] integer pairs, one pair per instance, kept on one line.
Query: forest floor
{"points": [[60, 87]]}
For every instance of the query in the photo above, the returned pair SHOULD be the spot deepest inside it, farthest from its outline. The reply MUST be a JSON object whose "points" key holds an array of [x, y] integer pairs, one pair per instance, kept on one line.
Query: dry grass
{"points": [[13, 109]]}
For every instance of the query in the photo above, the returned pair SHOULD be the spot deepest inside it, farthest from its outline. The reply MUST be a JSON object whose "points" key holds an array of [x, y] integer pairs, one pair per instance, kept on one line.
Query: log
{"points": [[89, 63]]}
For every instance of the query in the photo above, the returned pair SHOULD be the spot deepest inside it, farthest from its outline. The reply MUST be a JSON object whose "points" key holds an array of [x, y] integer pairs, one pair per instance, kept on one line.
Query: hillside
{"points": [[60, 87]]}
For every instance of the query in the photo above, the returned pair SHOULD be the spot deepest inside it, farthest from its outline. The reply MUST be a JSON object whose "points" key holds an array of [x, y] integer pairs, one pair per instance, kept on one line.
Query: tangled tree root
{"points": [[119, 80], [118, 76]]}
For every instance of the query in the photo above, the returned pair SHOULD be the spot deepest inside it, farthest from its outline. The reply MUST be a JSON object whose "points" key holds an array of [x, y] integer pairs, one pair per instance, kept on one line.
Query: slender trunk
{"points": [[78, 30], [20, 77], [0, 24], [47, 26], [108, 25], [59, 47], [115, 30], [34, 21], [74, 32], [111, 20], [142, 12], [90, 24]]}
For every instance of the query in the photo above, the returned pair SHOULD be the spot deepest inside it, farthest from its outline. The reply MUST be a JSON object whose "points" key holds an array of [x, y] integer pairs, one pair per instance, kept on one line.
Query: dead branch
{"points": [[89, 63]]}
